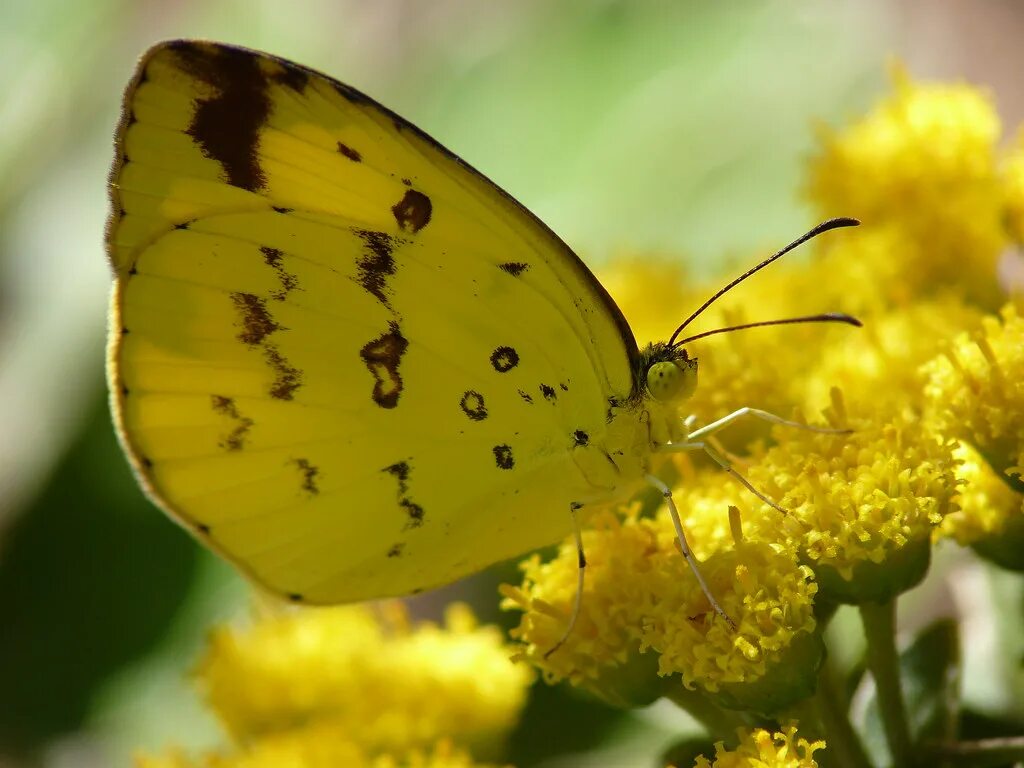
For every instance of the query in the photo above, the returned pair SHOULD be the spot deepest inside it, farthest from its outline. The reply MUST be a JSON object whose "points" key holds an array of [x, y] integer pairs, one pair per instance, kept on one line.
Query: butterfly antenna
{"points": [[825, 226], [827, 317]]}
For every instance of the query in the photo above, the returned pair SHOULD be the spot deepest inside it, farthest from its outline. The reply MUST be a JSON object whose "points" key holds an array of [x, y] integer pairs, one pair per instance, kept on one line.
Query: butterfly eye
{"points": [[669, 381]]}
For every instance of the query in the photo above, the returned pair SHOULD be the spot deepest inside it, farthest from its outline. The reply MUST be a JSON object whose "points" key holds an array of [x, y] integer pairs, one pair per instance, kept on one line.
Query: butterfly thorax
{"points": [[639, 425]]}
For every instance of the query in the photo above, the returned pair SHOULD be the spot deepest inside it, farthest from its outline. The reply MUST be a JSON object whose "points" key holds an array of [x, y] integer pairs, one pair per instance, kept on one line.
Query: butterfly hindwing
{"points": [[339, 355]]}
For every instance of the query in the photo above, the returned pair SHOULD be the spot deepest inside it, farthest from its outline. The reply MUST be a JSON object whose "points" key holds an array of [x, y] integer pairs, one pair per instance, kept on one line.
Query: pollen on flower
{"points": [[762, 589], [347, 665], [760, 748], [976, 392], [620, 552], [986, 504], [870, 496], [923, 162]]}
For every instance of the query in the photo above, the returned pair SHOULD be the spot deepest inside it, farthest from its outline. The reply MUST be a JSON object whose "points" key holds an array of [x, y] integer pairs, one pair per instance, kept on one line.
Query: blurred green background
{"points": [[676, 128]]}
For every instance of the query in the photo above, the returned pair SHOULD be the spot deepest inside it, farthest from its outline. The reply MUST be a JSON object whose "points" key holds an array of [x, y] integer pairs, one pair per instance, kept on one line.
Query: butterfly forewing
{"points": [[340, 356]]}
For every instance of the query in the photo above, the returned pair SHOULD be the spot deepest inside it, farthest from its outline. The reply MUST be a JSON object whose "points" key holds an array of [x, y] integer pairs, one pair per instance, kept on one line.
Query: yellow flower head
{"points": [[760, 748], [923, 162], [1013, 188], [380, 683], [640, 597], [880, 364], [861, 505], [316, 746], [976, 391]]}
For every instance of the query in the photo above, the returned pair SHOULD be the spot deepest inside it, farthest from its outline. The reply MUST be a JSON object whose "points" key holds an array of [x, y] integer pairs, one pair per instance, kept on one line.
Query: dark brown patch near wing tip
{"points": [[472, 404], [235, 439], [396, 549], [382, 357], [413, 211], [514, 268], [288, 378], [293, 77], [377, 264], [257, 323], [226, 125], [503, 456], [309, 475], [548, 392], [504, 359], [350, 153]]}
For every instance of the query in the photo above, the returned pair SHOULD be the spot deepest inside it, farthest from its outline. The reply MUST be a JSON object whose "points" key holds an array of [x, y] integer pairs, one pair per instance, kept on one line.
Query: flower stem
{"points": [[879, 620], [841, 740]]}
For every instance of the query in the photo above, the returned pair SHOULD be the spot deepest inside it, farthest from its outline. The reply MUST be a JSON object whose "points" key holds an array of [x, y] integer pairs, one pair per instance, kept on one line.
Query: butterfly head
{"points": [[670, 374]]}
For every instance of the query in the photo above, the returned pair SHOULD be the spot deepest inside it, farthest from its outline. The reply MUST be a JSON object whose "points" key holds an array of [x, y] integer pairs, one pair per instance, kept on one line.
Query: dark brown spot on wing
{"points": [[287, 377], [235, 439], [291, 76], [226, 125], [309, 476], [295, 597], [549, 393], [377, 263], [396, 549], [257, 323], [504, 359], [413, 211], [350, 153], [514, 268], [472, 404], [503, 456], [526, 396], [580, 437], [413, 511], [382, 357], [274, 259]]}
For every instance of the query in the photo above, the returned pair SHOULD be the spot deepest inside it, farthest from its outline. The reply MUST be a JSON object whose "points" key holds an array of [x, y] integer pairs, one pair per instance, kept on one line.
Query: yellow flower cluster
{"points": [[862, 508], [760, 748], [358, 686]]}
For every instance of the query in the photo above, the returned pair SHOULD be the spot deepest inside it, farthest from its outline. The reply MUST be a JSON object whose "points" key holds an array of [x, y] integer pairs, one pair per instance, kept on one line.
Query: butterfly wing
{"points": [[339, 355]]}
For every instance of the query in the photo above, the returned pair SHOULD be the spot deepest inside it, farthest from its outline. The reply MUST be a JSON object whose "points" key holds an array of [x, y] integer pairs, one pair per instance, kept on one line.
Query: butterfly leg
{"points": [[581, 567], [687, 553], [723, 462], [725, 421]]}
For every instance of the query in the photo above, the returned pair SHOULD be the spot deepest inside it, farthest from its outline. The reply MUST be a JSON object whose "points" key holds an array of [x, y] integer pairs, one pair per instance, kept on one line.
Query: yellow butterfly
{"points": [[345, 360]]}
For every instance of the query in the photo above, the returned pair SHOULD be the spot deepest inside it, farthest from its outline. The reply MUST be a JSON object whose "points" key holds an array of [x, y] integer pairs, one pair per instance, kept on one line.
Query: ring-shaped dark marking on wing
{"points": [[226, 125], [514, 268], [472, 404], [235, 439], [400, 470], [376, 264], [289, 282], [549, 393], [257, 322], [413, 211], [504, 359], [580, 438], [503, 456], [350, 153], [526, 396], [396, 549], [310, 473], [287, 378], [382, 357]]}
